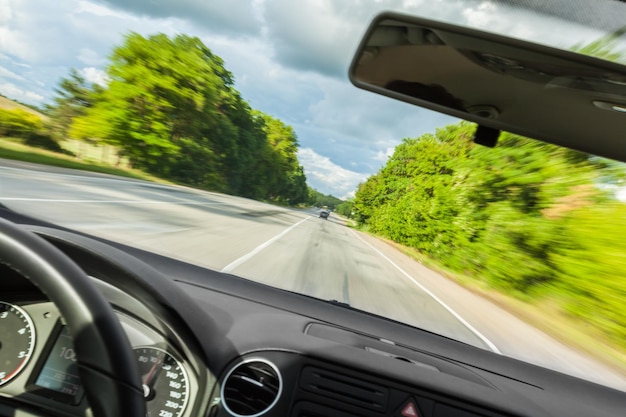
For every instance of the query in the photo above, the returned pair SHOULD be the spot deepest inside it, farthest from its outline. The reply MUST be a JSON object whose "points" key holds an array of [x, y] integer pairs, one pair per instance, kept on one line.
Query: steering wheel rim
{"points": [[105, 358]]}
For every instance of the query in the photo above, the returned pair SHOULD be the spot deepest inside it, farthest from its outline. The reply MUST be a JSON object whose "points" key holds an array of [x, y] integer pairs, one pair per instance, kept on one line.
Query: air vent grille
{"points": [[344, 388], [251, 388]]}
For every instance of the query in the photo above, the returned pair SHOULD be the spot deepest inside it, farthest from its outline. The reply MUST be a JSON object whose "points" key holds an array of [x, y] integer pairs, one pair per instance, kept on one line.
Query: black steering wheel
{"points": [[105, 358]]}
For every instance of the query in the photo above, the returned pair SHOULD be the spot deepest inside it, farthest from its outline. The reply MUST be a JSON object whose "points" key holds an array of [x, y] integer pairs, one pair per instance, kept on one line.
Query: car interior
{"points": [[140, 334]]}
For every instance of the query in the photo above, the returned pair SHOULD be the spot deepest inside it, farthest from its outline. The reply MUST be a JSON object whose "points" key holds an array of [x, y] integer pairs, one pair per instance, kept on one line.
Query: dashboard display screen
{"points": [[60, 371]]}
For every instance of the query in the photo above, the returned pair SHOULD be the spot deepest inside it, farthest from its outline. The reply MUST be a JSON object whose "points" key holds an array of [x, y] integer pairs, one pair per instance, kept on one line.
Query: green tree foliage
{"points": [[606, 47], [74, 96], [171, 108], [591, 274], [161, 92], [284, 174], [318, 199], [345, 208], [527, 217]]}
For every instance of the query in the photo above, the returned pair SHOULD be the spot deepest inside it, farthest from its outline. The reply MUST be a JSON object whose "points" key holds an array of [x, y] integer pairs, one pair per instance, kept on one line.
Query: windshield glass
{"points": [[227, 135]]}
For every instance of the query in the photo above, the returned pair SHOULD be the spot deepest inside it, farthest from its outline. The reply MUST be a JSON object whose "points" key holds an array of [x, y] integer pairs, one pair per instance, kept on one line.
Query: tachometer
{"points": [[17, 340], [165, 384]]}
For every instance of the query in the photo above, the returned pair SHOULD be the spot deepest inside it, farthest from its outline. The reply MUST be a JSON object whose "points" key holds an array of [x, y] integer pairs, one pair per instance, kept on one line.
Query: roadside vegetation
{"points": [[25, 135], [14, 148], [317, 199], [532, 220], [170, 109]]}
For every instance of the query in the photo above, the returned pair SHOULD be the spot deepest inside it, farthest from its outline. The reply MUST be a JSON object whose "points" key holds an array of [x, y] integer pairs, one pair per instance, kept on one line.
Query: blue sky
{"points": [[289, 58]]}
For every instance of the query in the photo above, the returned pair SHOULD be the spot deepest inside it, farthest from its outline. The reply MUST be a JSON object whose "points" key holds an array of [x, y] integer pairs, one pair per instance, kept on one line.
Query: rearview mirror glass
{"points": [[501, 83]]}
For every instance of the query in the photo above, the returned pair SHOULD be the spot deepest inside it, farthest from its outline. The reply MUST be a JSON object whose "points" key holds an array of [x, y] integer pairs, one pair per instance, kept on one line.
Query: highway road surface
{"points": [[291, 249]]}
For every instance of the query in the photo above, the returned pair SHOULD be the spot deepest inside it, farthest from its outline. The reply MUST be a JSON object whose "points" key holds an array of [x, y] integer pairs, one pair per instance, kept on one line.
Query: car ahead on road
{"points": [[92, 326], [324, 214]]}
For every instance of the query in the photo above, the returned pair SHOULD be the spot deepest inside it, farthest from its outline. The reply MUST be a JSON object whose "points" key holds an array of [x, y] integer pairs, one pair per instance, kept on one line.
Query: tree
{"points": [[285, 175], [345, 208], [318, 199], [74, 96], [492, 213], [171, 108], [161, 92]]}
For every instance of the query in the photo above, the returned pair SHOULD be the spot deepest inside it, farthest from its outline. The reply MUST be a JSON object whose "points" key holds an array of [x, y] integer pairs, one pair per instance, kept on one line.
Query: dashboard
{"points": [[39, 363], [213, 345]]}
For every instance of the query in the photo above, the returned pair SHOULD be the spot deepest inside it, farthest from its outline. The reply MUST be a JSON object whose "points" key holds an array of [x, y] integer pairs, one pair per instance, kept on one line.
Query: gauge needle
{"points": [[148, 381]]}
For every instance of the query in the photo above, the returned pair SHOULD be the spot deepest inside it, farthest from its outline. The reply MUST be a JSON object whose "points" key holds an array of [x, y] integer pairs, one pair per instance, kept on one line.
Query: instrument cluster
{"points": [[39, 363]]}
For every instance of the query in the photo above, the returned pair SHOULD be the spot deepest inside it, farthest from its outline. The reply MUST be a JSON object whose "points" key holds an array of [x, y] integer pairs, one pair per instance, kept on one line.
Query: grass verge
{"points": [[12, 149], [545, 315]]}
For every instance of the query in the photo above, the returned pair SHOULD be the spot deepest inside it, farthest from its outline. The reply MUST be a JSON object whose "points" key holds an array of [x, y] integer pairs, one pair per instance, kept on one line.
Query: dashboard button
{"points": [[409, 409]]}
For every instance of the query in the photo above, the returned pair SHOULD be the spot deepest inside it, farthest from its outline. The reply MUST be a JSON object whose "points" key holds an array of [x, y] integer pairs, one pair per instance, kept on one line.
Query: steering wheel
{"points": [[105, 359]]}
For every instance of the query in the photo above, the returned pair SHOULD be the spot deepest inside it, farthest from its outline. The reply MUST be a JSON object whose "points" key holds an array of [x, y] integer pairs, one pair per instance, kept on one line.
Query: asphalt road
{"points": [[291, 249]]}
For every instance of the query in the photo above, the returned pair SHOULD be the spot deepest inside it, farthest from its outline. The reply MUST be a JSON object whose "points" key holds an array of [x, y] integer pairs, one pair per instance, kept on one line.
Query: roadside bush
{"points": [[45, 141], [527, 218], [30, 128], [19, 123]]}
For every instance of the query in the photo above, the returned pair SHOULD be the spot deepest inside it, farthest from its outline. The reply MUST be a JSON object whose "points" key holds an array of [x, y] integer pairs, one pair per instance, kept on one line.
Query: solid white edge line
{"points": [[237, 262], [488, 342]]}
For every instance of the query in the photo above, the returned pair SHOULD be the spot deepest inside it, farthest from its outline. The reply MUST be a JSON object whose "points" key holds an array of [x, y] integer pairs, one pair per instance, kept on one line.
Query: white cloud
{"points": [[482, 16], [235, 17], [90, 57], [94, 75], [25, 96], [314, 35], [12, 62], [5, 73], [12, 42], [527, 25], [100, 10], [328, 177], [384, 155], [6, 12], [352, 125]]}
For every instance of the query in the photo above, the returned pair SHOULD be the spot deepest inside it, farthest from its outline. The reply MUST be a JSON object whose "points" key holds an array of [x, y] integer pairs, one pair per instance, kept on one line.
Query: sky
{"points": [[289, 58]]}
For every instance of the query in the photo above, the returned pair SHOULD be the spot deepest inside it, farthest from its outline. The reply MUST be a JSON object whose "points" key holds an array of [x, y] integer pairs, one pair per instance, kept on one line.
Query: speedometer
{"points": [[165, 384], [17, 340]]}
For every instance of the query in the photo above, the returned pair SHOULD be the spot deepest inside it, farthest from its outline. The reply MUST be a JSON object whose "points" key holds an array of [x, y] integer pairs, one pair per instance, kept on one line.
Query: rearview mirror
{"points": [[501, 83]]}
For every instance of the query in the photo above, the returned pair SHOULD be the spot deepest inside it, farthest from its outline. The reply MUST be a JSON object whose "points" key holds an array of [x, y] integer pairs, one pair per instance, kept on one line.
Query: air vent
{"points": [[251, 388], [344, 388]]}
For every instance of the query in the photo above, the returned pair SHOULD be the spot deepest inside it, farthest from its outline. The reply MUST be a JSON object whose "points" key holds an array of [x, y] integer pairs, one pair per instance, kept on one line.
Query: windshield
{"points": [[227, 135]]}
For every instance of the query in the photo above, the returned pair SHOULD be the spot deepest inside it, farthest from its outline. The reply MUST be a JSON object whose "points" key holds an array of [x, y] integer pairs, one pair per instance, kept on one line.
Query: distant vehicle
{"points": [[324, 214]]}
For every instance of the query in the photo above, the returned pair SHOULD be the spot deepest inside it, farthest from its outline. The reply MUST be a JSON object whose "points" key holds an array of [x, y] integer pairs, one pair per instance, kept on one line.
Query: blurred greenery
{"points": [[317, 199], [19, 123], [606, 47], [345, 208], [527, 218], [28, 127], [13, 148], [170, 109]]}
